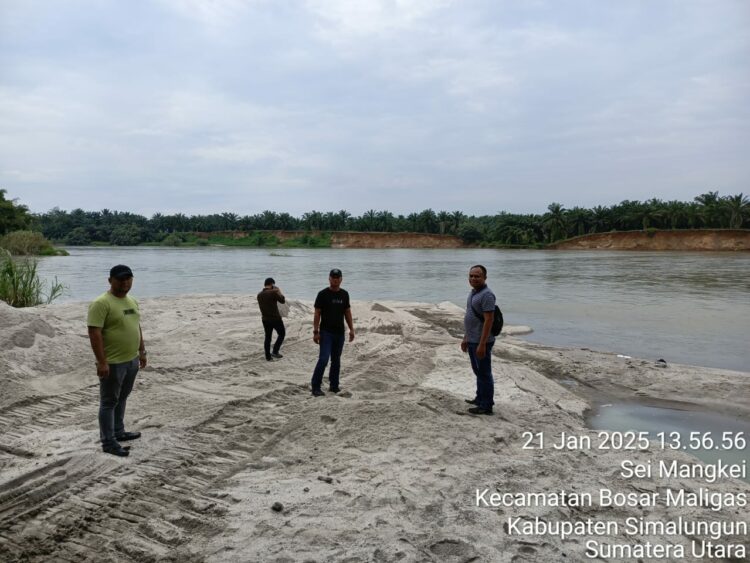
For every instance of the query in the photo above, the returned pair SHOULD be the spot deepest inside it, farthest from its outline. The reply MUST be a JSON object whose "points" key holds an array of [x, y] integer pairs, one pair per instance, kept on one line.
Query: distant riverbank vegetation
{"points": [[16, 236], [503, 229], [20, 285], [79, 227], [253, 239]]}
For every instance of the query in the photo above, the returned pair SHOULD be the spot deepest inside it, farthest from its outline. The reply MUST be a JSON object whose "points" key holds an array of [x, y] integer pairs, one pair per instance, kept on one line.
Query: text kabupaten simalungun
{"points": [[713, 524]]}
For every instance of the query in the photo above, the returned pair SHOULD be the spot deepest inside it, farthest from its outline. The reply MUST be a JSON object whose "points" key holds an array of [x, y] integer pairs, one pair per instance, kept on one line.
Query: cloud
{"points": [[216, 105], [212, 13], [340, 21]]}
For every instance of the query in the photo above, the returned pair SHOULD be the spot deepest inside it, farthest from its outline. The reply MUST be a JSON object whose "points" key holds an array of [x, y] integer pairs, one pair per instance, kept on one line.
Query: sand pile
{"points": [[239, 463]]}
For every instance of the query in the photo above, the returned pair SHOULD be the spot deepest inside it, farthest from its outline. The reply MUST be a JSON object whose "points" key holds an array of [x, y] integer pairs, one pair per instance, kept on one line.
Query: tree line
{"points": [[79, 227]]}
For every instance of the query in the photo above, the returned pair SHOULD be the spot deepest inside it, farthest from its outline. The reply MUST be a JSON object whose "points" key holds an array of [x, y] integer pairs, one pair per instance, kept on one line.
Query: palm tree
{"points": [[554, 221], [458, 218], [645, 214], [709, 203], [708, 199], [412, 223], [443, 217], [369, 220], [229, 221], [268, 220], [471, 232], [286, 222], [427, 221], [312, 220], [385, 220], [343, 219], [157, 222], [578, 220], [177, 222], [738, 207], [674, 211], [601, 219]]}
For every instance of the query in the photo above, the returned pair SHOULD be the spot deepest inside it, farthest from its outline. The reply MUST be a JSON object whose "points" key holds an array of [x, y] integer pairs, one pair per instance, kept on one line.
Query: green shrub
{"points": [[308, 240], [78, 237], [20, 285], [126, 235], [26, 243], [51, 251], [172, 239], [192, 239], [470, 234], [260, 238], [256, 238]]}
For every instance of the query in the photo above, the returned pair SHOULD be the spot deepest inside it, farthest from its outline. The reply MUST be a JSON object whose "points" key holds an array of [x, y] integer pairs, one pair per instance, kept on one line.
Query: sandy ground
{"points": [[388, 470]]}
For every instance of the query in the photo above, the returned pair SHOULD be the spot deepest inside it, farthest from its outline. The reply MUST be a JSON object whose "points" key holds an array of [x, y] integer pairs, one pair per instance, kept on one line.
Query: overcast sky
{"points": [[202, 106]]}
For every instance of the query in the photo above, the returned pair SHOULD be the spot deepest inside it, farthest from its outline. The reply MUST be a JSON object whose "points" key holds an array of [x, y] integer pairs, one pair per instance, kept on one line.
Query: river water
{"points": [[685, 307]]}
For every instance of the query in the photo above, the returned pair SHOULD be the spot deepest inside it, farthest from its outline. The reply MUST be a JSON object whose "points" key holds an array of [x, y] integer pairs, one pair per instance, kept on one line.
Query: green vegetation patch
{"points": [[309, 240], [254, 239], [20, 285], [312, 229], [29, 243], [257, 239]]}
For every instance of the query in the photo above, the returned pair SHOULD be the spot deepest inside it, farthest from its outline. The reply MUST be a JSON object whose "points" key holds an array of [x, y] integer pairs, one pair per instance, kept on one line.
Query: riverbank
{"points": [[335, 239], [656, 240], [391, 468], [692, 240]]}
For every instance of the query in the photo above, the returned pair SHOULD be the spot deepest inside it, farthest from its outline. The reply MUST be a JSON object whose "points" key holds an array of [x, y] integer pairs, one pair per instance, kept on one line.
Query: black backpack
{"points": [[497, 319]]}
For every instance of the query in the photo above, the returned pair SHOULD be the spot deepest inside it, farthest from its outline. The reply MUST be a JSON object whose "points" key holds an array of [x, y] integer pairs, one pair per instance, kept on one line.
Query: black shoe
{"points": [[317, 392], [117, 450], [269, 358], [470, 401], [334, 389], [277, 355], [125, 436], [479, 410]]}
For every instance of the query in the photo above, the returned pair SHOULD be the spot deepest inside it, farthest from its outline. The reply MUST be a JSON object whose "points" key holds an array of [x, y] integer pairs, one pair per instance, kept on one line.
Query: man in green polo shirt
{"points": [[117, 341]]}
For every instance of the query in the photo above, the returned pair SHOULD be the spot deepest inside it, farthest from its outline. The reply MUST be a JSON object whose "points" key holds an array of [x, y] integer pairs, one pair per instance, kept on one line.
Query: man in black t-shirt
{"points": [[331, 309]]}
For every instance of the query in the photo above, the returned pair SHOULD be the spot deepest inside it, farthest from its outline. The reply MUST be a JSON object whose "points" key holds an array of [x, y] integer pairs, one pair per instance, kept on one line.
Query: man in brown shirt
{"points": [[268, 300]]}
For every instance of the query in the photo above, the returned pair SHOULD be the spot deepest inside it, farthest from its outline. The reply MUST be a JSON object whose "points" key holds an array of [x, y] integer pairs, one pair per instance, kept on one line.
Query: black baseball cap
{"points": [[269, 281], [335, 273], [120, 272]]}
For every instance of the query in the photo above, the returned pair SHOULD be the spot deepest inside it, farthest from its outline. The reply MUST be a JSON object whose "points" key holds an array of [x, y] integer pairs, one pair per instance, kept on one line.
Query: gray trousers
{"points": [[113, 396]]}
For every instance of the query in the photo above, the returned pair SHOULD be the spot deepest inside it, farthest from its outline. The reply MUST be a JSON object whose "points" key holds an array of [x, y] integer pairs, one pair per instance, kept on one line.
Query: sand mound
{"points": [[239, 463], [41, 351], [19, 328]]}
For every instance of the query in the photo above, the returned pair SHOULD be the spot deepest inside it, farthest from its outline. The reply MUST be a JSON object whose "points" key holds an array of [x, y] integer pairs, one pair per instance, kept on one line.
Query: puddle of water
{"points": [[622, 417]]}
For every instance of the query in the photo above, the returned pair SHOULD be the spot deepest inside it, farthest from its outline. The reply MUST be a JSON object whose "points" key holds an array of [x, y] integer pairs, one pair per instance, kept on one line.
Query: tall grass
{"points": [[20, 285]]}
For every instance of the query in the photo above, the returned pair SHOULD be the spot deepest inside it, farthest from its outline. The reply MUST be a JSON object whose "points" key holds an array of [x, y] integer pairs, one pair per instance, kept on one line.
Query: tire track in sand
{"points": [[81, 507]]}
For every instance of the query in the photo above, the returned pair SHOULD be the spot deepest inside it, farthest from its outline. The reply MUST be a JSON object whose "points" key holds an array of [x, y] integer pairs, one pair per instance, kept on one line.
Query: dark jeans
{"points": [[113, 396], [269, 327], [331, 346], [483, 370]]}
